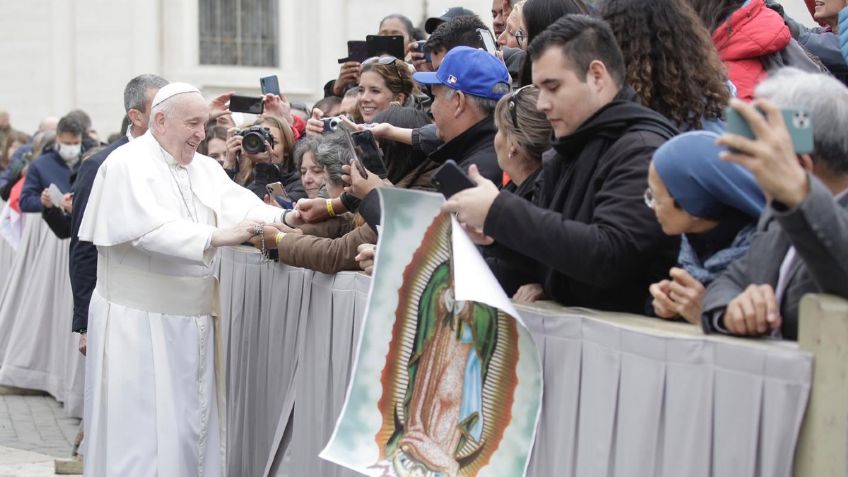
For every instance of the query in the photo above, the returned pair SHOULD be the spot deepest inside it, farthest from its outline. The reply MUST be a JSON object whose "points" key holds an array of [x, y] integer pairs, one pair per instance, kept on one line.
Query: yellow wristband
{"points": [[330, 208], [278, 238]]}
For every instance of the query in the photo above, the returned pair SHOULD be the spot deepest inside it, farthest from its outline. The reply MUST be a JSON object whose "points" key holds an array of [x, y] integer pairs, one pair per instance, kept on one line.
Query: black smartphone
{"points": [[354, 160], [246, 104], [270, 85], [356, 51], [379, 45], [488, 40], [419, 47], [368, 152], [450, 179]]}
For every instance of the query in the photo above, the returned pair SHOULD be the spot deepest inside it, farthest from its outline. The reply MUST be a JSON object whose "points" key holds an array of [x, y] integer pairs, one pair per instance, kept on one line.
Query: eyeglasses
{"points": [[519, 36], [512, 104], [650, 200]]}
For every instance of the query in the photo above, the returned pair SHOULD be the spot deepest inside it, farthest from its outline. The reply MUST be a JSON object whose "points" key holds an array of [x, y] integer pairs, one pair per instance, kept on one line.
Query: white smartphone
{"points": [[488, 40], [56, 195]]}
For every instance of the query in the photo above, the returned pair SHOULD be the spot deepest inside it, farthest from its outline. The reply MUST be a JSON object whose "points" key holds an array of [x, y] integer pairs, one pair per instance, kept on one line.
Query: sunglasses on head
{"points": [[512, 105], [385, 61]]}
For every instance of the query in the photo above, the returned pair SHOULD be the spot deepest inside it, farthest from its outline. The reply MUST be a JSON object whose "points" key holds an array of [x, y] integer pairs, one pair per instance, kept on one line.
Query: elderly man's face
{"points": [[4, 120], [183, 127]]}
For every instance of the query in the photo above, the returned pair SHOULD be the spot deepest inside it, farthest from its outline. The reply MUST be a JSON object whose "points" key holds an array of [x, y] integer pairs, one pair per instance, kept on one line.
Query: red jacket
{"points": [[751, 32]]}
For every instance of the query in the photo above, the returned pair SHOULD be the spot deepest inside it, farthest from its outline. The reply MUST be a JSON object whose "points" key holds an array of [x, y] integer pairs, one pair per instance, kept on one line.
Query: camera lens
{"points": [[331, 124], [253, 143]]}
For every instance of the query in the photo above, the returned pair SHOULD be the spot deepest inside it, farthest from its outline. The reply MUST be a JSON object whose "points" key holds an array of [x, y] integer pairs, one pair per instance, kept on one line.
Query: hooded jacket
{"points": [[742, 40], [588, 235]]}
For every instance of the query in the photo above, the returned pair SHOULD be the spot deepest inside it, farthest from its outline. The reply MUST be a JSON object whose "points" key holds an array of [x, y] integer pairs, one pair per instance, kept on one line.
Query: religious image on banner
{"points": [[445, 398]]}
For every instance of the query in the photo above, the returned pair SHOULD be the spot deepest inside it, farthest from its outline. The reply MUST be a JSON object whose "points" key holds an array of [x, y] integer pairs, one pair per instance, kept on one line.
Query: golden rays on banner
{"points": [[447, 380], [447, 373]]}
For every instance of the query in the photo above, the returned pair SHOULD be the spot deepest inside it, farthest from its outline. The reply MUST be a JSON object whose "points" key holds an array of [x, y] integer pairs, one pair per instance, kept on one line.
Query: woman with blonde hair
{"points": [[524, 134]]}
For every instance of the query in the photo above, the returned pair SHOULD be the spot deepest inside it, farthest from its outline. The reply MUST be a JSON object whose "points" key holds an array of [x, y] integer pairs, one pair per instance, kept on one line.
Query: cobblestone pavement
{"points": [[34, 430], [37, 424]]}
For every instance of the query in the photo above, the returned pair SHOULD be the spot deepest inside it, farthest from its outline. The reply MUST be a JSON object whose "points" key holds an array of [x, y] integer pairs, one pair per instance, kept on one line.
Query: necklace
{"points": [[194, 217]]}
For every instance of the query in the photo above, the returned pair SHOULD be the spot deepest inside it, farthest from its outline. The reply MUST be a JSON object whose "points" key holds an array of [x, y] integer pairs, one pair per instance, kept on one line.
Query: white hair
{"points": [[826, 99]]}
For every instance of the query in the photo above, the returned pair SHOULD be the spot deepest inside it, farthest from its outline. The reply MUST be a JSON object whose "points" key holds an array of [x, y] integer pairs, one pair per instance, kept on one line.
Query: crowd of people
{"points": [[602, 139]]}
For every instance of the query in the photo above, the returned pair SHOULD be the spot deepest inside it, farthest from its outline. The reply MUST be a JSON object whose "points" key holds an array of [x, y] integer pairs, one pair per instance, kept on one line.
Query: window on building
{"points": [[239, 32]]}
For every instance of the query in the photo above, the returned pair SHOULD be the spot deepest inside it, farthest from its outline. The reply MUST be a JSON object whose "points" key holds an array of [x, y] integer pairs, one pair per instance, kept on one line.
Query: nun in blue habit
{"points": [[713, 205]]}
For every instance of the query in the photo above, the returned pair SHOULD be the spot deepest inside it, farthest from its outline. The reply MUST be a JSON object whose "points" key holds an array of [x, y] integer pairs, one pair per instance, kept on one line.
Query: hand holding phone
{"points": [[278, 193], [368, 152], [270, 85], [488, 40], [450, 179], [798, 122], [357, 51], [56, 195], [246, 104]]}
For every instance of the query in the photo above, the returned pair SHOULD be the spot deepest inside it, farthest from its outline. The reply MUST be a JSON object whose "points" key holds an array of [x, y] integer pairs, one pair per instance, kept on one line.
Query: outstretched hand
{"points": [[219, 105]]}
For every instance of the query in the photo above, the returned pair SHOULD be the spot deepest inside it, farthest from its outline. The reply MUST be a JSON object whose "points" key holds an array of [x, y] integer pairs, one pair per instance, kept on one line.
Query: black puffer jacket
{"points": [[590, 238]]}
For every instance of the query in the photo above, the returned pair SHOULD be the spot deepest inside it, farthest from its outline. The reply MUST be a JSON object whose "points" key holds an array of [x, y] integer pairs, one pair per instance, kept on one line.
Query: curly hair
{"points": [[670, 58]]}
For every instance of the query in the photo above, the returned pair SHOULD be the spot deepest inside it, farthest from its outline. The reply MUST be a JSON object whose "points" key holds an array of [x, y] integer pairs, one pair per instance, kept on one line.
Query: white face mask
{"points": [[69, 152]]}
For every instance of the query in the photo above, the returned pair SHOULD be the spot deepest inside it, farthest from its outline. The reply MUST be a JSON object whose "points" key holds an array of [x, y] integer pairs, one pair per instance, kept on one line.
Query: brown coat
{"points": [[331, 228], [325, 255]]}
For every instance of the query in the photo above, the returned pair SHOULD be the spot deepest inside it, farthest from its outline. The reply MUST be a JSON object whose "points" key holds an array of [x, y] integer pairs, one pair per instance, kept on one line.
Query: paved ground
{"points": [[34, 430]]}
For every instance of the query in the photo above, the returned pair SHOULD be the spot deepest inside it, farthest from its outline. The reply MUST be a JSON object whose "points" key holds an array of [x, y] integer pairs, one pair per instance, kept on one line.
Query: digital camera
{"points": [[254, 138], [331, 124]]}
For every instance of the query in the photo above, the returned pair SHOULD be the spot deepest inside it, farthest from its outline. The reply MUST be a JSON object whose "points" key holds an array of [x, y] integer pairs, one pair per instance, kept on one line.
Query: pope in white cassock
{"points": [[158, 211]]}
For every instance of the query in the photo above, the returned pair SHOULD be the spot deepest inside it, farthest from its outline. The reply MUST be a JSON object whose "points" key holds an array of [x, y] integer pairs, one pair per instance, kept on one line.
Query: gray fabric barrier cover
{"points": [[7, 256], [624, 396], [37, 348]]}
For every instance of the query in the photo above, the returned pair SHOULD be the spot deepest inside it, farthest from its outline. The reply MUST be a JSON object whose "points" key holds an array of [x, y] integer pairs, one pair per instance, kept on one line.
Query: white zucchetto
{"points": [[170, 90]]}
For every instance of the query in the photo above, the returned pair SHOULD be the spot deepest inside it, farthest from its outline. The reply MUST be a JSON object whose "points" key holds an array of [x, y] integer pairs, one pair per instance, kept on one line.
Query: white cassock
{"points": [[151, 403]]}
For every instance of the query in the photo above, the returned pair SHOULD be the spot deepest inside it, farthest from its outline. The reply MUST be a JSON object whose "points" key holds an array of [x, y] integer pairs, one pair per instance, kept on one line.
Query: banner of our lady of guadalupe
{"points": [[447, 380]]}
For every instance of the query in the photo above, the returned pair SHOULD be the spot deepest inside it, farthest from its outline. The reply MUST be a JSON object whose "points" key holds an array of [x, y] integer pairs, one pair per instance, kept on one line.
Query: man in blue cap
{"points": [[466, 89]]}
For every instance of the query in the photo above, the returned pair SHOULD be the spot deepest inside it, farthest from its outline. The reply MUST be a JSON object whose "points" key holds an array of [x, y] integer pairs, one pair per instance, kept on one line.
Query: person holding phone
{"points": [[601, 247], [524, 135], [398, 25], [801, 244]]}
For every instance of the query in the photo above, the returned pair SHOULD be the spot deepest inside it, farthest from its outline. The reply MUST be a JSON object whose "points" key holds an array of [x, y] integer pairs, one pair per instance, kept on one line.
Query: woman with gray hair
{"points": [[331, 154]]}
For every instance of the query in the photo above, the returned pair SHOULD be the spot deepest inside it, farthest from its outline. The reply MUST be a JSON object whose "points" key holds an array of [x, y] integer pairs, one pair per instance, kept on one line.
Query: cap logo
{"points": [[452, 79], [500, 88]]}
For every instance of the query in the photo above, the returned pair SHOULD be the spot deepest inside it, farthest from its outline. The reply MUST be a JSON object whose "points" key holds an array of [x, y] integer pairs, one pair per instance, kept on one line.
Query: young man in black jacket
{"points": [[588, 238]]}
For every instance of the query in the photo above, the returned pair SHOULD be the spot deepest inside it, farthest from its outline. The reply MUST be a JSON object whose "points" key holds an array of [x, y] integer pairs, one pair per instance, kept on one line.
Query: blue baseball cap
{"points": [[472, 71]]}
